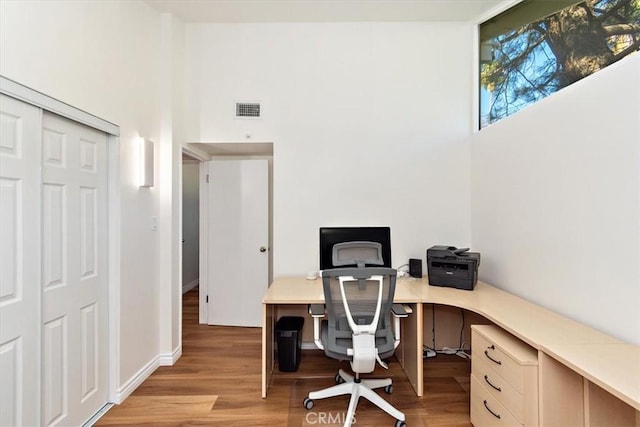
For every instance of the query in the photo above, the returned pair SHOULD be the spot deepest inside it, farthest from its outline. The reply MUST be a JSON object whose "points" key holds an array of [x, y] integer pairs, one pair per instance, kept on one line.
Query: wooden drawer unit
{"points": [[504, 372]]}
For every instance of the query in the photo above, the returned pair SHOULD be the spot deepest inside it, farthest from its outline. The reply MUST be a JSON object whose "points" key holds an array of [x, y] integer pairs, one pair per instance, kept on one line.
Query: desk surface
{"points": [[532, 323], [607, 365], [298, 290], [602, 359]]}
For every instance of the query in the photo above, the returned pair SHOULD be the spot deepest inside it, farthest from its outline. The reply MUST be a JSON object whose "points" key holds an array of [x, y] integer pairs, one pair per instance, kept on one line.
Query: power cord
{"points": [[432, 352], [403, 273], [458, 352]]}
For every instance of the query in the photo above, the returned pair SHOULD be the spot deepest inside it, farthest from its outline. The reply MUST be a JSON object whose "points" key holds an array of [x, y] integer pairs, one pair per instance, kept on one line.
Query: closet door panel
{"points": [[74, 251], [20, 319]]}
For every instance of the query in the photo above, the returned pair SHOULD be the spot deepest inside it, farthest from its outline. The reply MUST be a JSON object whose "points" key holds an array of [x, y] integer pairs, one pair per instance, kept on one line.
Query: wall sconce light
{"points": [[146, 162]]}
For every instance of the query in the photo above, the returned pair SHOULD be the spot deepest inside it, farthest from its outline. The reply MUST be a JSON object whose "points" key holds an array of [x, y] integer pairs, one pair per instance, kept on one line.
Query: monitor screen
{"points": [[329, 236]]}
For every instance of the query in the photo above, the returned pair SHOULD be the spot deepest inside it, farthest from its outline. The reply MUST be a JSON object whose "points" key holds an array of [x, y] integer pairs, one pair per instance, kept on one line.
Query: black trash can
{"points": [[289, 339]]}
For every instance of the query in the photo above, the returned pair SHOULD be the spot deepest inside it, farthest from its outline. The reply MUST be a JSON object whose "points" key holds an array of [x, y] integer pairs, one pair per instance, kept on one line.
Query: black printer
{"points": [[452, 267]]}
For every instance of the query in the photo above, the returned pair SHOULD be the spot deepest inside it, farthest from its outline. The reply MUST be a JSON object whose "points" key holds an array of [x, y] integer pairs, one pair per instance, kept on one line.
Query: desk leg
{"points": [[411, 342], [268, 315]]}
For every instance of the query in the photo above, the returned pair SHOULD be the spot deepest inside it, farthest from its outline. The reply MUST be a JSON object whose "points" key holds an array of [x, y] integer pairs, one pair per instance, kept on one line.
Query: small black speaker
{"points": [[415, 267]]}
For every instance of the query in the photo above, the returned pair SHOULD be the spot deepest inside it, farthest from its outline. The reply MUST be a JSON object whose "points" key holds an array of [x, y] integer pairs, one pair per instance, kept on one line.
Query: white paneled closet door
{"points": [[53, 268], [74, 271], [19, 263]]}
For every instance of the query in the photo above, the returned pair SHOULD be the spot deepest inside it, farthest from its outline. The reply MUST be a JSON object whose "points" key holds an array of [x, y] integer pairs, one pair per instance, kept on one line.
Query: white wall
{"points": [[172, 136], [369, 123], [555, 206], [104, 58], [190, 221]]}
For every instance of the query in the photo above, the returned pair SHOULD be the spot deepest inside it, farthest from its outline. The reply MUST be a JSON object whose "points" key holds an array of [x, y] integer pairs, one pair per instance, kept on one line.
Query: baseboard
{"points": [[134, 382], [192, 284], [308, 346], [170, 359]]}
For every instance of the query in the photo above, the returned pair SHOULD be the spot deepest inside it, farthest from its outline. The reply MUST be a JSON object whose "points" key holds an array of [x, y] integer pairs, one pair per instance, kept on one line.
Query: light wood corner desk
{"points": [[588, 368]]}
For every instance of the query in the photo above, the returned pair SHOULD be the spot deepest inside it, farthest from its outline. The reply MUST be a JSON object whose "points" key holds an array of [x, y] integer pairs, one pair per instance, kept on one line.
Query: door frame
{"points": [[33, 97], [222, 151]]}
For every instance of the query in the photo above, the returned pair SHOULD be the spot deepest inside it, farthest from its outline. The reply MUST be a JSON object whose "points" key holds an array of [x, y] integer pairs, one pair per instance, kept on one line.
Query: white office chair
{"points": [[359, 303]]}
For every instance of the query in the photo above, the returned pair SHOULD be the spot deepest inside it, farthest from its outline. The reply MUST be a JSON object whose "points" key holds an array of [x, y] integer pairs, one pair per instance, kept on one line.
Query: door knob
{"points": [[263, 249]]}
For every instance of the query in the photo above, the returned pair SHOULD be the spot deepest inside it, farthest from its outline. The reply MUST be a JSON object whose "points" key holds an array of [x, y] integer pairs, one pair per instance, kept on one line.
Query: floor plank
{"points": [[217, 381]]}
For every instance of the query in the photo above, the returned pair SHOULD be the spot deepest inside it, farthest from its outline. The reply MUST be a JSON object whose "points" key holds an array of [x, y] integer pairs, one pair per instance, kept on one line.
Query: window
{"points": [[540, 46]]}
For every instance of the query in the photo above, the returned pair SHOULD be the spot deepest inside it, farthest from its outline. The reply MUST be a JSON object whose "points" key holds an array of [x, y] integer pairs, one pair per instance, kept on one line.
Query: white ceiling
{"points": [[327, 10]]}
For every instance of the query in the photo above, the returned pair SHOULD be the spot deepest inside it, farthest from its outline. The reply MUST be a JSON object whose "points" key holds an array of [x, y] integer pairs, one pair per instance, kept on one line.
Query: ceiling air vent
{"points": [[248, 109]]}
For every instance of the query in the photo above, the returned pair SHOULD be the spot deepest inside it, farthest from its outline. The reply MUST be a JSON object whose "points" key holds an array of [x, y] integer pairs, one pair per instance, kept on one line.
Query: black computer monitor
{"points": [[329, 236]]}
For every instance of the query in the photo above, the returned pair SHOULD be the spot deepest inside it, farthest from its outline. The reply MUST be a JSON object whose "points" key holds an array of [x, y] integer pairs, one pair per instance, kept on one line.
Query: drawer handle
{"points": [[489, 409], [486, 353], [486, 378]]}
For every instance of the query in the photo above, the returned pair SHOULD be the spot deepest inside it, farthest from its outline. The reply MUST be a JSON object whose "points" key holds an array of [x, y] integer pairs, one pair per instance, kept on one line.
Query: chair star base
{"points": [[357, 388]]}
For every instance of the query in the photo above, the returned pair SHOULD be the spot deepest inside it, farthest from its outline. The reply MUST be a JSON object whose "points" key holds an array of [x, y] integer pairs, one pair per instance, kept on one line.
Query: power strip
{"points": [[427, 352]]}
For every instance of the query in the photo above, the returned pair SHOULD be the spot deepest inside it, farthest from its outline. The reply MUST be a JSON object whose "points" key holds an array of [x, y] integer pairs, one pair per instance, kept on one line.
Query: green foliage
{"points": [[542, 57]]}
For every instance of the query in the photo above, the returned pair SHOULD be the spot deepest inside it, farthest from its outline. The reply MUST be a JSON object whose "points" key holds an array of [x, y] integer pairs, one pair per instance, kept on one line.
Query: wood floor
{"points": [[217, 382]]}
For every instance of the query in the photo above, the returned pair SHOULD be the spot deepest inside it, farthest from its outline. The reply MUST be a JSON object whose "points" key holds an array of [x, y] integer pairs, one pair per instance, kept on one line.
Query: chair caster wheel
{"points": [[389, 389], [401, 424], [339, 379], [307, 403]]}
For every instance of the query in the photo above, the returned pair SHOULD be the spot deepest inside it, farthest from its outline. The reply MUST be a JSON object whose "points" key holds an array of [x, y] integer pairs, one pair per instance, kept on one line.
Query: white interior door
{"points": [[238, 241], [19, 263], [74, 271]]}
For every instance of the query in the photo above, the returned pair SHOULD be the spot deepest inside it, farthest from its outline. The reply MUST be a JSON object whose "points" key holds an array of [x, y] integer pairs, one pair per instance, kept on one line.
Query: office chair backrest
{"points": [[358, 300]]}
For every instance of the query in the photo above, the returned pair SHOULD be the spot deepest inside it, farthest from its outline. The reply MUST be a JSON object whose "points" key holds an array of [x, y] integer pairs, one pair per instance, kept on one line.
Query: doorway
{"points": [[190, 222], [231, 152]]}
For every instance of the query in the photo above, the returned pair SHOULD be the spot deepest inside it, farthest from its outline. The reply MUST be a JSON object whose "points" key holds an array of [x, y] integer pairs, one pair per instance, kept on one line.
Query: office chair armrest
{"points": [[398, 311], [317, 312]]}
